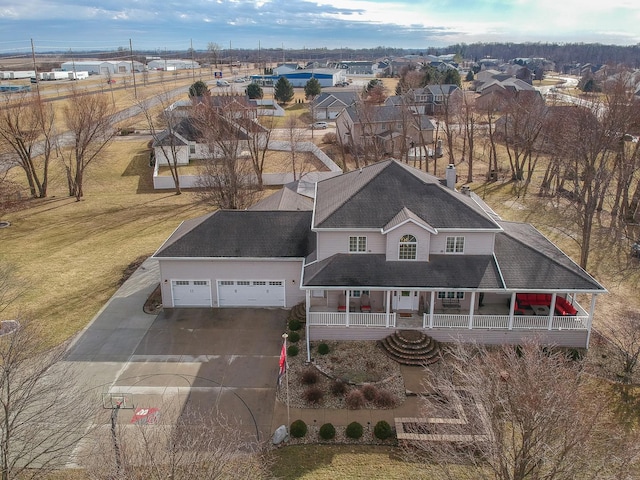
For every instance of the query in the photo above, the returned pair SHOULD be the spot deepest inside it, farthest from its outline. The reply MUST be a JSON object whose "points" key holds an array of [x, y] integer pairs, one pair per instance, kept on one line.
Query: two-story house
{"points": [[385, 247], [387, 128]]}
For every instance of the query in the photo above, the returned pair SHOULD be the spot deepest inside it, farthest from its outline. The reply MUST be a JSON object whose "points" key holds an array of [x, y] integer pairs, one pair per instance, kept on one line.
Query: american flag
{"points": [[283, 364]]}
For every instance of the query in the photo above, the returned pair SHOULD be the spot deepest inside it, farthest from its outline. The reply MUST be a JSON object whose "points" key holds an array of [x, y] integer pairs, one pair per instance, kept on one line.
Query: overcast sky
{"points": [[173, 24]]}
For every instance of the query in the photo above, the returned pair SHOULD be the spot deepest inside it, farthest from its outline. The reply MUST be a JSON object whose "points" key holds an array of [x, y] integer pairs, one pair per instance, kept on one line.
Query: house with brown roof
{"points": [[386, 247]]}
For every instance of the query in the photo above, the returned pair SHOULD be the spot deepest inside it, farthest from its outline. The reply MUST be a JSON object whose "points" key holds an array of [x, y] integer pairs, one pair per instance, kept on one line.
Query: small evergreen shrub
{"points": [[309, 376], [327, 431], [294, 325], [354, 400], [323, 349], [294, 337], [354, 430], [369, 392], [384, 399], [382, 430], [313, 395], [338, 387], [298, 429], [292, 350]]}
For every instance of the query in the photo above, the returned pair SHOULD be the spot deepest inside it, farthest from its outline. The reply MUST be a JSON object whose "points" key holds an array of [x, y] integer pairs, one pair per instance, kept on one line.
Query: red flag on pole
{"points": [[283, 364]]}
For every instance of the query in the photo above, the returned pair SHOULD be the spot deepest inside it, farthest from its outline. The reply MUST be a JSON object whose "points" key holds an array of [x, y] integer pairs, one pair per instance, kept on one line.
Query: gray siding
{"points": [[570, 338], [213, 270]]}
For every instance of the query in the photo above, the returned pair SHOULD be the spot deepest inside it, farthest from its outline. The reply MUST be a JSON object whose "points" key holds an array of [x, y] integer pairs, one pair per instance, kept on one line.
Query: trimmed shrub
{"points": [[292, 350], [369, 392], [338, 387], [294, 337], [382, 430], [354, 400], [298, 429], [309, 376], [294, 325], [330, 138], [313, 395], [327, 431], [354, 430], [384, 399], [323, 349]]}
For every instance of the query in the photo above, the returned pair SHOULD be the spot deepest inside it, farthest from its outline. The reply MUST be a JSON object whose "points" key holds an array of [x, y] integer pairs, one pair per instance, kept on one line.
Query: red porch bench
{"points": [[563, 307]]}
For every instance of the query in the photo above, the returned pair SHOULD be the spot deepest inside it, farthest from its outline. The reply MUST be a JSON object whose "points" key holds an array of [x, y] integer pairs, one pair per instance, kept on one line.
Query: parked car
{"points": [[319, 125], [342, 84], [222, 83], [240, 80]]}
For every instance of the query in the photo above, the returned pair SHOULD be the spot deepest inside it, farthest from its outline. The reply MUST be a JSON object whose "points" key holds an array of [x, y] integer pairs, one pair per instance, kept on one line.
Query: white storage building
{"points": [[175, 64]]}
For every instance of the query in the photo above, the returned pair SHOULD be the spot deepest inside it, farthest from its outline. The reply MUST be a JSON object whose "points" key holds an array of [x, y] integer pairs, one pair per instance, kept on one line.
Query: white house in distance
{"points": [[172, 64], [298, 77], [424, 256], [102, 67]]}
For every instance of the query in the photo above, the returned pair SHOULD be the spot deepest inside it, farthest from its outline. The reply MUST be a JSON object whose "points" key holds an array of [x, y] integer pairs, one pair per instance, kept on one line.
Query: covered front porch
{"points": [[474, 316]]}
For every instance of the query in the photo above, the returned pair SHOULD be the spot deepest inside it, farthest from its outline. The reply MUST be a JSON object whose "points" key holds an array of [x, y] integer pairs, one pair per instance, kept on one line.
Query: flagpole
{"points": [[286, 374]]}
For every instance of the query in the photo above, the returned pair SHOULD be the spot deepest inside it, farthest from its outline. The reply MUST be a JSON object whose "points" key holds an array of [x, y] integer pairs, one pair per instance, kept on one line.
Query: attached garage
{"points": [[191, 293], [251, 293]]}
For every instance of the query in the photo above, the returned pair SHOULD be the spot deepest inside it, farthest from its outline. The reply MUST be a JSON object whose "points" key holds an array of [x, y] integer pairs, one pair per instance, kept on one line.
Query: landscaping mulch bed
{"points": [[356, 363]]}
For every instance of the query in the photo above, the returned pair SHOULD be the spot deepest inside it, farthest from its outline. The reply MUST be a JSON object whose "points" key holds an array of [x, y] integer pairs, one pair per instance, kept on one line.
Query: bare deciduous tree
{"points": [[522, 413], [43, 413], [88, 119], [623, 334], [26, 132], [195, 446]]}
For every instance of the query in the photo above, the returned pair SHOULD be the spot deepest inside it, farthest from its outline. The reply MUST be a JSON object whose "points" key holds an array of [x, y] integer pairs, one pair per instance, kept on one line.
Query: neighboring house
{"points": [[389, 128], [427, 257], [495, 94], [327, 106], [434, 99]]}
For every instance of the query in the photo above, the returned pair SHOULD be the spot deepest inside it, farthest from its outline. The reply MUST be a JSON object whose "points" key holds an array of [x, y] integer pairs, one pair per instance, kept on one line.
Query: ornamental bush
{"points": [[384, 399], [338, 387], [327, 431], [313, 395], [382, 430], [309, 376], [294, 337], [323, 349], [369, 392], [354, 430], [298, 429], [354, 400], [292, 350], [294, 325]]}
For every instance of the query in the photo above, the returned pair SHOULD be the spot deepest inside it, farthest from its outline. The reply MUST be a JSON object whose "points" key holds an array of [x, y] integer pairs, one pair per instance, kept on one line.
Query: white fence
{"points": [[336, 319]]}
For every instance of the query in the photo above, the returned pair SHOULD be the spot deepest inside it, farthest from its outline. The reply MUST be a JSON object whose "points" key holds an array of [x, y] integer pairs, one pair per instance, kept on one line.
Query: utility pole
{"points": [[133, 71], [35, 68], [193, 67]]}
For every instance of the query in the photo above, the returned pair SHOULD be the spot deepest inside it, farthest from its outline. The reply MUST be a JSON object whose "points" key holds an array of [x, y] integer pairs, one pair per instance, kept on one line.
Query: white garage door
{"points": [[191, 293], [251, 293]]}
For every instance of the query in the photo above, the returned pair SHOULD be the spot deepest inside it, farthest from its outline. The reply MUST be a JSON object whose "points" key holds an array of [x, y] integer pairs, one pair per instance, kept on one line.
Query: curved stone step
{"points": [[411, 347]]}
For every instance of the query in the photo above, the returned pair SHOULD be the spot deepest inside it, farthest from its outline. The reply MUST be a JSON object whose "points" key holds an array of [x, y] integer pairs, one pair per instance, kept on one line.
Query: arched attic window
{"points": [[407, 247]]}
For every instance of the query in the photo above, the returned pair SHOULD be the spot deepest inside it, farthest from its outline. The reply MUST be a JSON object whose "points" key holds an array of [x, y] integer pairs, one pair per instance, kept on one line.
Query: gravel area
{"points": [[355, 362]]}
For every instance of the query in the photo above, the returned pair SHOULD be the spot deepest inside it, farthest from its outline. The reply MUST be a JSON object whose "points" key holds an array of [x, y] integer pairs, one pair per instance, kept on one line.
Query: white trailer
{"points": [[22, 74], [58, 76], [78, 75]]}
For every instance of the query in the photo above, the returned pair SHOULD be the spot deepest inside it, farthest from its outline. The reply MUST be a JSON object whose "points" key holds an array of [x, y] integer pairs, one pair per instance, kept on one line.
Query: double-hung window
{"points": [[455, 245], [357, 244]]}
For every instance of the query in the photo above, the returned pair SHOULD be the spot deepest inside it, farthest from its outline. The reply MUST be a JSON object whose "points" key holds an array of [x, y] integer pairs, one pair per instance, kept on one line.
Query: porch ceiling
{"points": [[442, 271]]}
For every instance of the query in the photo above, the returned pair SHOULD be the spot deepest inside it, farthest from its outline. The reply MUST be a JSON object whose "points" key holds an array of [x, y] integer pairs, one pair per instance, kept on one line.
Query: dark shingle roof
{"points": [[529, 261], [242, 233], [287, 198], [367, 270], [373, 196]]}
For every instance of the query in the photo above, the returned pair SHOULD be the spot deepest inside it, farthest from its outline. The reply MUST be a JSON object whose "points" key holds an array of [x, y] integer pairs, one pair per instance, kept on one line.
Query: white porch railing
{"points": [[328, 319], [528, 322]]}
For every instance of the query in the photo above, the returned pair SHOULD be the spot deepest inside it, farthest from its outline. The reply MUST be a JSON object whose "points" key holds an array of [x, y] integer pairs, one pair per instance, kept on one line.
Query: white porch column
{"points": [[347, 307], [388, 309], [590, 319], [552, 310], [432, 307], [512, 307], [308, 305], [471, 308]]}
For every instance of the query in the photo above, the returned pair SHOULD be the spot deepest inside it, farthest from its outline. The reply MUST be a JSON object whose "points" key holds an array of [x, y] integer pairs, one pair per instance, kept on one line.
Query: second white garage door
{"points": [[251, 293]]}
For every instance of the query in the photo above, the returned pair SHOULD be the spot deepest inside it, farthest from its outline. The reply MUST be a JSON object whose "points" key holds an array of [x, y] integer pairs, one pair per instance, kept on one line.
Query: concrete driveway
{"points": [[215, 362]]}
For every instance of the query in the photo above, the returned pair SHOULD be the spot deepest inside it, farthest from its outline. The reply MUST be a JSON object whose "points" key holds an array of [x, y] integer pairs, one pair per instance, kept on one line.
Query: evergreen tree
{"points": [[198, 89], [254, 91], [312, 88], [283, 91], [470, 77]]}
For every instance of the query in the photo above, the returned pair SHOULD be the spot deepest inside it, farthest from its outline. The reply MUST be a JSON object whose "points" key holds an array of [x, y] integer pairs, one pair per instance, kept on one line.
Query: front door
{"points": [[404, 300]]}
